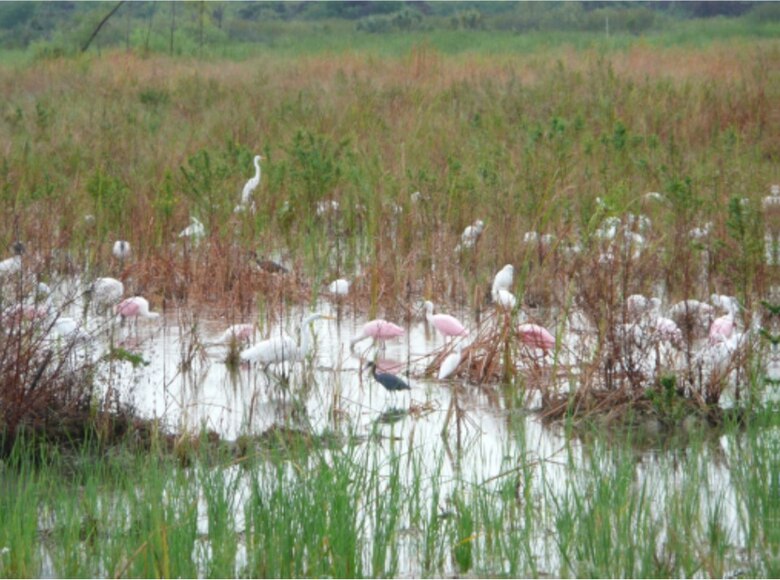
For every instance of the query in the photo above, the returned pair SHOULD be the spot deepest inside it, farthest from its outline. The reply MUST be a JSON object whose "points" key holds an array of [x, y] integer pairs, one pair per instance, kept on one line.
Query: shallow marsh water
{"points": [[489, 440]]}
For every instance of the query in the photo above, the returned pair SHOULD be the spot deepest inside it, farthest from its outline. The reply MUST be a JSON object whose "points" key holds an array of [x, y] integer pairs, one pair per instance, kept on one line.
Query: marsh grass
{"points": [[601, 510], [525, 142]]}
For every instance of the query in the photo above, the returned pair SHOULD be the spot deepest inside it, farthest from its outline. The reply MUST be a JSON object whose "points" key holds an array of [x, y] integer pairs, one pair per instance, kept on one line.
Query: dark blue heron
{"points": [[391, 382]]}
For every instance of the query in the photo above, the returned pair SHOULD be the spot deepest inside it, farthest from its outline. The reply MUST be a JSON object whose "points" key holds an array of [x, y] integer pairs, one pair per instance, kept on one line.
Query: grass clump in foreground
{"points": [[707, 508]]}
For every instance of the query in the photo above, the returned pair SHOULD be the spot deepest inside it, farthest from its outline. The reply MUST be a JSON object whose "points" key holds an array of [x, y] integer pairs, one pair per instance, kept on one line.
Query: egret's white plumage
{"points": [[450, 364], [505, 299], [195, 231], [10, 265], [282, 348], [503, 280], [470, 235], [251, 184], [339, 287]]}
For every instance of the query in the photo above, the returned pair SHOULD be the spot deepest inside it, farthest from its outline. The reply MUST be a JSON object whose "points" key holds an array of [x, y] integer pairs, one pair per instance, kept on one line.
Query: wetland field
{"points": [[604, 221]]}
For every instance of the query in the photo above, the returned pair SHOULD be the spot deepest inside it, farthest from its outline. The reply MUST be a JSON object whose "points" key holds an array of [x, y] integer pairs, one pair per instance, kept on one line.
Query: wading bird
{"points": [[444, 323], [391, 382], [503, 280], [722, 328], [282, 349], [339, 287], [121, 250], [450, 364], [249, 187], [470, 236], [14, 263], [379, 330], [135, 307], [195, 231], [536, 336], [236, 333], [505, 299], [106, 292]]}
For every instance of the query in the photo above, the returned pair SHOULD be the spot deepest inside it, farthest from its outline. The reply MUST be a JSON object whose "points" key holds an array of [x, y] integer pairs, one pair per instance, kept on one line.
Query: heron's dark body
{"points": [[391, 382]]}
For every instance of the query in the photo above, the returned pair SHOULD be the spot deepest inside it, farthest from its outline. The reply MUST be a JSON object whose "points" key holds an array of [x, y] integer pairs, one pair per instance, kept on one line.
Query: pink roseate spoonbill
{"points": [[536, 336], [236, 333], [379, 330], [503, 280], [444, 323], [282, 349], [722, 327], [135, 307], [450, 364]]}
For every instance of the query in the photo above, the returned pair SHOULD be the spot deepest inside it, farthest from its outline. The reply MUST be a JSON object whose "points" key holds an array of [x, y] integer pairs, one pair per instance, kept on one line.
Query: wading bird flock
{"points": [[646, 329]]}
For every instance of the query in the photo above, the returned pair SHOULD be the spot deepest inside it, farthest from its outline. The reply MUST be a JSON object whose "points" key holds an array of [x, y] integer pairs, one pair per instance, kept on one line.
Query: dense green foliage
{"points": [[235, 28]]}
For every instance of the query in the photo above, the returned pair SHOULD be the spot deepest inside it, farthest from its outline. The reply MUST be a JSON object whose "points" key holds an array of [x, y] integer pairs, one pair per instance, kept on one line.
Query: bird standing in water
{"points": [[444, 323], [389, 381]]}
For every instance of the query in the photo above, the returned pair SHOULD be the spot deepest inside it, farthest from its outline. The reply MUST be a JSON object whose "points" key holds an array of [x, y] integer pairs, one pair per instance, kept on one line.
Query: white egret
{"points": [[505, 299], [339, 287], [195, 231], [249, 187], [470, 236], [503, 280], [450, 364], [282, 349]]}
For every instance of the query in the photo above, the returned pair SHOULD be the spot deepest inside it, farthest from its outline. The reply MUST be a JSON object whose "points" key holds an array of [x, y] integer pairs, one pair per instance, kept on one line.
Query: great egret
{"points": [[249, 188], [378, 329], [503, 280], [282, 349], [391, 382], [195, 231], [444, 323], [451, 362]]}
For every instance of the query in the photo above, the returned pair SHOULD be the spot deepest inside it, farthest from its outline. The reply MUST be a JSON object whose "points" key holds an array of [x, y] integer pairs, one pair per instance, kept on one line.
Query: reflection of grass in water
{"points": [[365, 509]]}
